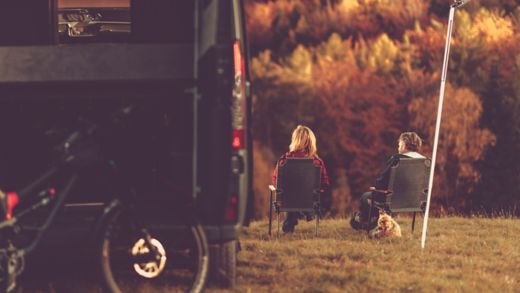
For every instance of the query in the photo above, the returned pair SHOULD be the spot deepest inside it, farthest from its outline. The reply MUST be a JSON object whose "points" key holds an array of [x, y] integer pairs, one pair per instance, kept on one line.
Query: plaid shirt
{"points": [[325, 183]]}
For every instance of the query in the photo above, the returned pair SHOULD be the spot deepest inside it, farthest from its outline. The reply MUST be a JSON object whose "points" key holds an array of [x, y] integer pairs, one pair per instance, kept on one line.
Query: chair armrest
{"points": [[372, 188], [318, 191], [272, 188]]}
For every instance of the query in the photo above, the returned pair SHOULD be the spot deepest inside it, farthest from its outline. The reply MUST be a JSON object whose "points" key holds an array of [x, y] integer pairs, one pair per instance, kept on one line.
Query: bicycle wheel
{"points": [[11, 266], [135, 259], [4, 273]]}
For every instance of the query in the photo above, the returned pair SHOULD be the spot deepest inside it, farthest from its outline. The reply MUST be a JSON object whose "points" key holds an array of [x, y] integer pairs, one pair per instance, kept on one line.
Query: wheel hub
{"points": [[153, 268]]}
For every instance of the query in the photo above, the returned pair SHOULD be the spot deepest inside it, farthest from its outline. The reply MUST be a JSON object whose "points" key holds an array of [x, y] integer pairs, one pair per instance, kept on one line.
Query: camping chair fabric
{"points": [[408, 186], [297, 188]]}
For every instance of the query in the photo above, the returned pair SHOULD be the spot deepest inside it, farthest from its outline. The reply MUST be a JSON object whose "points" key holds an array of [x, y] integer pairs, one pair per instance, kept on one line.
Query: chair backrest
{"points": [[298, 184], [408, 185]]}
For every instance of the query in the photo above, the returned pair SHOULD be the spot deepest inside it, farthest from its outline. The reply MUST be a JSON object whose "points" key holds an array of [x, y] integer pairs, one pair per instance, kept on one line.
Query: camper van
{"points": [[186, 147]]}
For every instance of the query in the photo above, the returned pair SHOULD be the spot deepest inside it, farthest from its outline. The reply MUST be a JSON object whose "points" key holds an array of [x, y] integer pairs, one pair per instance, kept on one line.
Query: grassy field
{"points": [[461, 255]]}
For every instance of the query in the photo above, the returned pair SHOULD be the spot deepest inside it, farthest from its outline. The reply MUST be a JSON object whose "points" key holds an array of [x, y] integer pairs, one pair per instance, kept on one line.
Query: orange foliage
{"points": [[263, 170], [429, 43], [461, 142], [359, 116], [282, 24], [259, 18], [361, 71]]}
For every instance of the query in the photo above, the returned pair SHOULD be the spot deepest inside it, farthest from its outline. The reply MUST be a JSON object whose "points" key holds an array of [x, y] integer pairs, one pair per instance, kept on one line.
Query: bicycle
{"points": [[128, 249], [131, 251]]}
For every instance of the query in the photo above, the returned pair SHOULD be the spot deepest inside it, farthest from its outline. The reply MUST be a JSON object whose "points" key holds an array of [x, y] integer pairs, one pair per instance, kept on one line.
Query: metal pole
{"points": [[196, 97], [270, 211], [438, 123]]}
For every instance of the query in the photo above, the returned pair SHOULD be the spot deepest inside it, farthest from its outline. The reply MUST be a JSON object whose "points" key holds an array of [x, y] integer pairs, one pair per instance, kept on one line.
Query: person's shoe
{"points": [[288, 226], [355, 221], [357, 217], [355, 224]]}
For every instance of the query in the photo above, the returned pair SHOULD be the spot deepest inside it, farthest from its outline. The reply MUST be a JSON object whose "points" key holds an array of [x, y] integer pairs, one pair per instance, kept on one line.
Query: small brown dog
{"points": [[386, 227]]}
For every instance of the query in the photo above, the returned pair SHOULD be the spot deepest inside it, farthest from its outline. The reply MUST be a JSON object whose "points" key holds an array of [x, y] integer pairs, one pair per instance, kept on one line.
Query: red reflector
{"points": [[12, 202], [231, 212], [52, 191], [238, 139]]}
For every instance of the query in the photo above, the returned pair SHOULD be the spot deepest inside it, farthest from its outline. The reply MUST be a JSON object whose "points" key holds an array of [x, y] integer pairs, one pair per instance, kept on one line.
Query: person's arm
{"points": [[373, 188], [325, 182], [275, 172], [382, 179]]}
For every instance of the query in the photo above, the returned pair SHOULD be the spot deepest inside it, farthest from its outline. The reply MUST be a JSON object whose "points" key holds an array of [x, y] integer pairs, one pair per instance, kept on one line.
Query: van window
{"points": [[150, 21], [93, 20]]}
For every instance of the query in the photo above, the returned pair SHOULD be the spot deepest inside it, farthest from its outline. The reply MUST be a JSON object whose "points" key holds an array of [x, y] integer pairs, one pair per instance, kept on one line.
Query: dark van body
{"points": [[187, 145]]}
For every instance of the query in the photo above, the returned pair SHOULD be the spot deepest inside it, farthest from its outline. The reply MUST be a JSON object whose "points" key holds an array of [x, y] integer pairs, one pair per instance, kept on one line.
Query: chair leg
{"points": [[271, 206], [413, 222], [277, 223], [317, 223]]}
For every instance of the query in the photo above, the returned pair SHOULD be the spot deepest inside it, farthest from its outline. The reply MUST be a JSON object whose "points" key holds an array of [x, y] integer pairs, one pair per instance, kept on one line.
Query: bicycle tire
{"points": [[8, 273], [4, 273], [187, 256]]}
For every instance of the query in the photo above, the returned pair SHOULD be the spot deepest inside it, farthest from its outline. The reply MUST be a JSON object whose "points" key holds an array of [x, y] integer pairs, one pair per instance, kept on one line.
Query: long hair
{"points": [[303, 140]]}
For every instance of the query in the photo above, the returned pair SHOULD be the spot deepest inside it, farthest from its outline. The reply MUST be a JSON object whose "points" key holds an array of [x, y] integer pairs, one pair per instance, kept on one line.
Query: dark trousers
{"points": [[359, 219], [379, 203], [291, 220]]}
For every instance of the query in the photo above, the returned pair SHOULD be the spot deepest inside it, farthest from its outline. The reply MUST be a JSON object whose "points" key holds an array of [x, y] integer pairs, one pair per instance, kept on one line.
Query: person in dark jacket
{"points": [[409, 145], [303, 145]]}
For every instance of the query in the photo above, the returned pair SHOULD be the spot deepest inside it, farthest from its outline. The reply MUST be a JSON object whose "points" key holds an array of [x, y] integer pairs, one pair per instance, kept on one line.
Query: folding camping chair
{"points": [[297, 189], [407, 187]]}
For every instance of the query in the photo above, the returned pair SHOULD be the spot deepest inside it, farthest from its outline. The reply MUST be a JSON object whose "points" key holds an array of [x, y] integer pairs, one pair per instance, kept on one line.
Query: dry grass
{"points": [[461, 255]]}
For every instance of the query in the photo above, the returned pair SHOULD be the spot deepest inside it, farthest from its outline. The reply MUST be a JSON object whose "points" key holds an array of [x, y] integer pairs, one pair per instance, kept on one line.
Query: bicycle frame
{"points": [[13, 256], [69, 166]]}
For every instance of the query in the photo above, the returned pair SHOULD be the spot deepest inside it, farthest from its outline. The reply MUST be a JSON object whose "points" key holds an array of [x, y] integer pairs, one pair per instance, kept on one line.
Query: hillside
{"points": [[461, 255], [360, 72]]}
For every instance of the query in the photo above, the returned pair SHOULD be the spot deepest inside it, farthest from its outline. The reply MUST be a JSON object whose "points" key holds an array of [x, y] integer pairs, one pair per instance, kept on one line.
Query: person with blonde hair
{"points": [[303, 145], [408, 146]]}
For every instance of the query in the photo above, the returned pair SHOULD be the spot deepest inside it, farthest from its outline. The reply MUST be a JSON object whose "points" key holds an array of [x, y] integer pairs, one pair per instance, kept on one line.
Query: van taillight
{"points": [[238, 105], [238, 139], [232, 209]]}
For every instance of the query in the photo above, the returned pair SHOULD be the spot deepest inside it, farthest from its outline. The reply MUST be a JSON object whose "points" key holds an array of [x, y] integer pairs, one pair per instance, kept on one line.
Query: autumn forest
{"points": [[359, 72]]}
